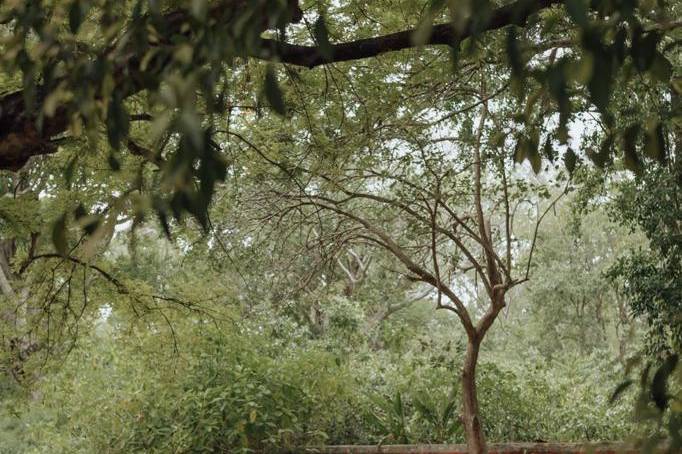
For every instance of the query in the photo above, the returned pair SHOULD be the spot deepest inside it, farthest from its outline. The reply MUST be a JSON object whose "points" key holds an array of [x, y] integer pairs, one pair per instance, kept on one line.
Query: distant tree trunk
{"points": [[470, 414]]}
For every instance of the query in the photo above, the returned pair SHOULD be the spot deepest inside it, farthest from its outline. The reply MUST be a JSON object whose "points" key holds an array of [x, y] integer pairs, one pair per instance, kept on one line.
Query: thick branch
{"points": [[21, 138], [442, 34]]}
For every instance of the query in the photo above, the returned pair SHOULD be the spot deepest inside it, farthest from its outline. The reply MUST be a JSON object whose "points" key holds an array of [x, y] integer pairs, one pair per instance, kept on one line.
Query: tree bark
{"points": [[471, 419]]}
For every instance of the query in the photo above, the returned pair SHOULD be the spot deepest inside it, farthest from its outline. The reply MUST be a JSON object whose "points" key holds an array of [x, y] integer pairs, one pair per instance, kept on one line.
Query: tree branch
{"points": [[21, 137], [442, 34], [384, 240]]}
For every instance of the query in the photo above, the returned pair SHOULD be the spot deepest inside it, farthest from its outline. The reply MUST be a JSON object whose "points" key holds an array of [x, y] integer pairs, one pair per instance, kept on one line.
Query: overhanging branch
{"points": [[21, 138], [516, 13]]}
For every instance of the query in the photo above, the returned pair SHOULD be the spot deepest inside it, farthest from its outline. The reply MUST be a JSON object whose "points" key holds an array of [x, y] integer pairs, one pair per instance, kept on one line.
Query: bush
{"points": [[236, 389]]}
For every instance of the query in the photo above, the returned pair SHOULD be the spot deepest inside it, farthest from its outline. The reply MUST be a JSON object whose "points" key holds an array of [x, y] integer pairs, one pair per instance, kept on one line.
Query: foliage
{"points": [[139, 82], [225, 392], [652, 277], [210, 245], [237, 392]]}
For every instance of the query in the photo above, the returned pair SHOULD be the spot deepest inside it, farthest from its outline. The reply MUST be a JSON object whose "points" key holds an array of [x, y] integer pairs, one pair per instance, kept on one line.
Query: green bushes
{"points": [[233, 390], [421, 404], [225, 394]]}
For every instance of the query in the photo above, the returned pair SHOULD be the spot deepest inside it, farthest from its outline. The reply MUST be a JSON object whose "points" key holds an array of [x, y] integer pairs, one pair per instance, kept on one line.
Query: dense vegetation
{"points": [[265, 375], [238, 226]]}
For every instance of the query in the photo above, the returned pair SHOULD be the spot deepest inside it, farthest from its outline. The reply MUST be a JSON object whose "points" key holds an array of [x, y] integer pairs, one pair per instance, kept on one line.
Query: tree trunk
{"points": [[470, 416]]}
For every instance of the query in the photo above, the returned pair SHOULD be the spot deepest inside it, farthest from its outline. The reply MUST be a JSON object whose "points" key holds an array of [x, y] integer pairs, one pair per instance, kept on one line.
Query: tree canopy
{"points": [[266, 192]]}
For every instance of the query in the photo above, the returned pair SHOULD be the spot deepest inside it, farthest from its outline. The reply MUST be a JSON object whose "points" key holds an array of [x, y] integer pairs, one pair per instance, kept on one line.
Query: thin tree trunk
{"points": [[470, 415]]}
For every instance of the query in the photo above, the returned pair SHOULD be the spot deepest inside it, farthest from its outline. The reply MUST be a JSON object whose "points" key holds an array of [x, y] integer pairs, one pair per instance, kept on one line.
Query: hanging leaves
{"points": [[643, 48], [630, 158], [661, 69], [175, 60], [601, 82], [602, 157], [75, 16], [527, 147], [654, 142], [514, 56], [118, 121], [570, 160], [423, 31], [59, 235], [577, 10], [548, 150], [69, 171], [273, 94]]}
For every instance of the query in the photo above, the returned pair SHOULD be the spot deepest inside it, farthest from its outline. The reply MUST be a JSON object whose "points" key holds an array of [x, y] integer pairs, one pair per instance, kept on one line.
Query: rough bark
{"points": [[470, 412]]}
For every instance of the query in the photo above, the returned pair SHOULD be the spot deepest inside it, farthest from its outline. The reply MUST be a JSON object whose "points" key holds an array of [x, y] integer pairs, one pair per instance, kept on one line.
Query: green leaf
{"points": [[557, 84], [59, 235], [527, 148], [630, 158], [321, 33], [514, 53], [199, 9], [497, 139], [422, 33], [118, 121], [189, 125], [75, 16], [521, 150], [661, 69], [53, 100], [570, 160], [272, 91], [535, 161], [577, 10], [603, 156], [183, 53], [643, 48], [69, 170], [600, 84], [654, 142], [548, 150]]}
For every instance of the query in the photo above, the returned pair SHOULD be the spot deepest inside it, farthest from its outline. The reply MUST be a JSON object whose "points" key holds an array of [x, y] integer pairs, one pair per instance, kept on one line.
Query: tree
{"points": [[171, 95], [569, 305], [446, 208], [651, 276], [72, 67]]}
